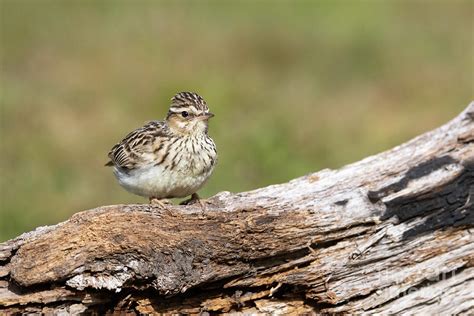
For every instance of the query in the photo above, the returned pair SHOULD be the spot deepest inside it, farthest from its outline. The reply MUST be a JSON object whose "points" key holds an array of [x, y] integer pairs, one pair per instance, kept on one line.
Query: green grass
{"points": [[296, 87]]}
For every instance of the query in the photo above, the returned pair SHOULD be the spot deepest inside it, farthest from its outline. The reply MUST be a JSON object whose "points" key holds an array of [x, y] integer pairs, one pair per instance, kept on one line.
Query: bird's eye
{"points": [[184, 114]]}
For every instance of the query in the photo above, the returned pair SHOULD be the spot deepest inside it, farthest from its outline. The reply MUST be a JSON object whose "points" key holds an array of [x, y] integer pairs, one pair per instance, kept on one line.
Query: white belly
{"points": [[157, 182]]}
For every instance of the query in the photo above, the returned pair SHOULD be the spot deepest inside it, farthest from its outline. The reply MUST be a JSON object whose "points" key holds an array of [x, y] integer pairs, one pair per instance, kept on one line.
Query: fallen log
{"points": [[392, 233]]}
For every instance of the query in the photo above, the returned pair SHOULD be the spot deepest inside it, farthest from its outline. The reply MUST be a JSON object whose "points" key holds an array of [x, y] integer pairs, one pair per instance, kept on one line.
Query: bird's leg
{"points": [[160, 202], [195, 199]]}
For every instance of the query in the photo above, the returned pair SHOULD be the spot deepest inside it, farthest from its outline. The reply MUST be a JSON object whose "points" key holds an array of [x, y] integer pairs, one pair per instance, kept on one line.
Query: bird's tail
{"points": [[109, 164]]}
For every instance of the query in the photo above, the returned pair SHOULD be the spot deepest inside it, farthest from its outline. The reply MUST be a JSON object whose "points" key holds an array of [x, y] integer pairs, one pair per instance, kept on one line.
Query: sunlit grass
{"points": [[295, 88]]}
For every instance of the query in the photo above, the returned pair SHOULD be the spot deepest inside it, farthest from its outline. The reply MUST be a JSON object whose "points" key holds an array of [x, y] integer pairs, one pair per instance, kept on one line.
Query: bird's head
{"points": [[188, 114]]}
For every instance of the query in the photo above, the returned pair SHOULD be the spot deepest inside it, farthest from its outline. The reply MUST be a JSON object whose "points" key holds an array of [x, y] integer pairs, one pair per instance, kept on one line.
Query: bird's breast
{"points": [[194, 156]]}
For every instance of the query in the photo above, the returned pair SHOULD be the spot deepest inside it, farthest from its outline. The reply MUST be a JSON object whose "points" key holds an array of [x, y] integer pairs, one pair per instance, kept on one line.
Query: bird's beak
{"points": [[205, 116]]}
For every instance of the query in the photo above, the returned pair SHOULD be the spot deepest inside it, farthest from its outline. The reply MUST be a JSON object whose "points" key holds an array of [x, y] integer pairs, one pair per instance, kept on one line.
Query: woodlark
{"points": [[171, 158]]}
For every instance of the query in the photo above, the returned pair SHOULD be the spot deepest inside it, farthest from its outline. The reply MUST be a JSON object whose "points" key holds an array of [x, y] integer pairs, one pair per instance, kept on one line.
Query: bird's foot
{"points": [[193, 200], [162, 203]]}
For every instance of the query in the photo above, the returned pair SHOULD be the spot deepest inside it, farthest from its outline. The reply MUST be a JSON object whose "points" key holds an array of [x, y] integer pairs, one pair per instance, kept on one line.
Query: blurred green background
{"points": [[295, 86]]}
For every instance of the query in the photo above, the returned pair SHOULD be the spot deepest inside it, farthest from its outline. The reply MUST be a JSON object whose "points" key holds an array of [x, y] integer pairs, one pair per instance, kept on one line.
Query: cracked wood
{"points": [[391, 233]]}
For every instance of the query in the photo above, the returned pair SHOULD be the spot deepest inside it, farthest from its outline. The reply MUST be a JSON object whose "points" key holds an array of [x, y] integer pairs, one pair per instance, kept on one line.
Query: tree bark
{"points": [[392, 233]]}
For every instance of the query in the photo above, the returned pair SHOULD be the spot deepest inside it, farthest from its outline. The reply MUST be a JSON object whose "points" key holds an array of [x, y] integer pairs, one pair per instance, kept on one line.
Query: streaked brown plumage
{"points": [[170, 158]]}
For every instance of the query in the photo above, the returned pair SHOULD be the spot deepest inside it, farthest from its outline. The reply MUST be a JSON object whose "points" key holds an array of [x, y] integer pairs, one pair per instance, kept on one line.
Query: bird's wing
{"points": [[141, 147]]}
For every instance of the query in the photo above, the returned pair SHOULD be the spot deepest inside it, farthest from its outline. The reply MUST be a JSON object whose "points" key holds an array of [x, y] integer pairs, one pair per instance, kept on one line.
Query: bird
{"points": [[171, 158]]}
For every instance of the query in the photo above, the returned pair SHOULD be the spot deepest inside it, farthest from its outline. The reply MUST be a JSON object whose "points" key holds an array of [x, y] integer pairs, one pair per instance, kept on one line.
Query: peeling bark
{"points": [[392, 233]]}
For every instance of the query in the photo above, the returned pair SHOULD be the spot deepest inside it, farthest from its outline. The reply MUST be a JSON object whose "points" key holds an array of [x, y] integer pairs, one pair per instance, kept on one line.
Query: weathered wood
{"points": [[392, 233]]}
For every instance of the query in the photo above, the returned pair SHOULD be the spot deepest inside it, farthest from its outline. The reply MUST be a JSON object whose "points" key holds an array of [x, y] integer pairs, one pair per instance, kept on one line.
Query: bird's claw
{"points": [[193, 200], [162, 203]]}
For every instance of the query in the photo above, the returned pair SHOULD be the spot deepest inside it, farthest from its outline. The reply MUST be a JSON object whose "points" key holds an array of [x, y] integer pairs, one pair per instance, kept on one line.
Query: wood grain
{"points": [[392, 233]]}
